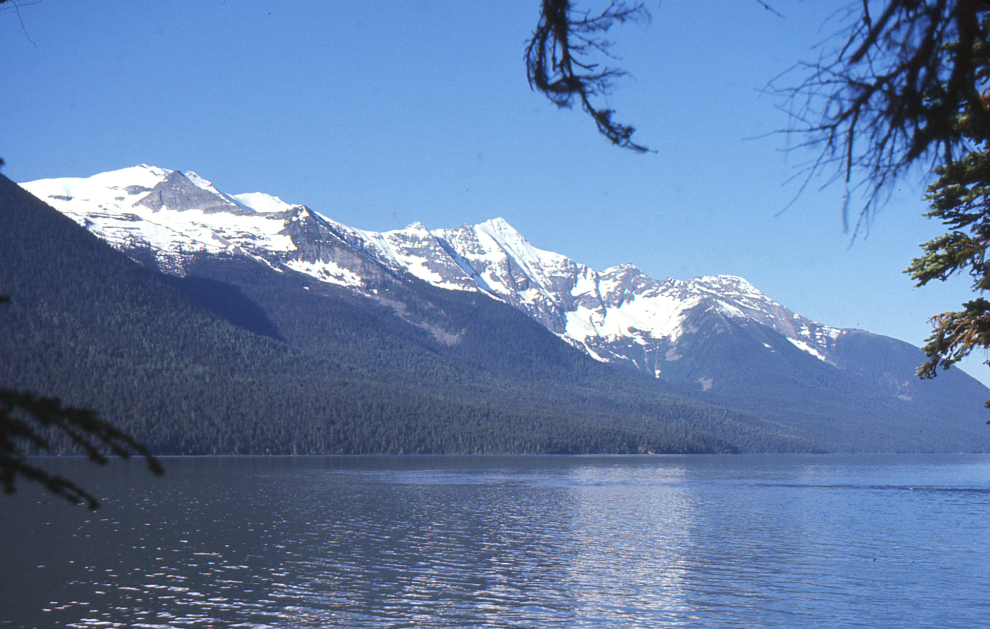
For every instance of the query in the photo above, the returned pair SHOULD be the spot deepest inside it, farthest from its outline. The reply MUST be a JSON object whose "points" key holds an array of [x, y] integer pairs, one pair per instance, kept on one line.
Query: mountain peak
{"points": [[624, 269], [179, 192], [498, 226], [722, 283], [137, 171]]}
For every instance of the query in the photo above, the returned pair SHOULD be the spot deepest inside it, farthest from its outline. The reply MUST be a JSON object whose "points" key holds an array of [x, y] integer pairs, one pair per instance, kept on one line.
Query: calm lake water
{"points": [[665, 541]]}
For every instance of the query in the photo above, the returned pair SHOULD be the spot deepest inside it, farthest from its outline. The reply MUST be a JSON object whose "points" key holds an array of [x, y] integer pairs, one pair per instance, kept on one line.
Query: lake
{"points": [[564, 541]]}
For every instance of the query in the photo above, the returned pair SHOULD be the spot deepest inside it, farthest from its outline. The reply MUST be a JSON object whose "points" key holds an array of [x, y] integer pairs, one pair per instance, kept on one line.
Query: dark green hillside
{"points": [[882, 360], [262, 366], [485, 348], [461, 336], [870, 401], [498, 353]]}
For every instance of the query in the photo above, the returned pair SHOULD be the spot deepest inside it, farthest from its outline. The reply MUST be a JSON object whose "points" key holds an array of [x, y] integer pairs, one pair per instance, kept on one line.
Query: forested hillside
{"points": [[96, 329]]}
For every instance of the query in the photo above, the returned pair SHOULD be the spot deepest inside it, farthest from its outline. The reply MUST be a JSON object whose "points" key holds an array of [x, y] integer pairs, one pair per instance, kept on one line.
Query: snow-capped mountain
{"points": [[410, 310], [619, 315]]}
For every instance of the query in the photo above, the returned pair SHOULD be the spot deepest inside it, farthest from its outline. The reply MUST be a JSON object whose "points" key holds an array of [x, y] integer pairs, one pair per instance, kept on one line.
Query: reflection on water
{"points": [[747, 541], [632, 527]]}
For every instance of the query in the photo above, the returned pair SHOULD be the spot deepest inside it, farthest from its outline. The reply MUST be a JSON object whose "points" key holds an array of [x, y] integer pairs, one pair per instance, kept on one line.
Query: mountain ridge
{"points": [[590, 309], [717, 339], [340, 374]]}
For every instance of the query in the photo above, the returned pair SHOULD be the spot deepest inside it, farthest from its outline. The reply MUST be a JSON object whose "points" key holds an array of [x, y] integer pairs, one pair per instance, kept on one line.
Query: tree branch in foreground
{"points": [[888, 93], [558, 61], [25, 422]]}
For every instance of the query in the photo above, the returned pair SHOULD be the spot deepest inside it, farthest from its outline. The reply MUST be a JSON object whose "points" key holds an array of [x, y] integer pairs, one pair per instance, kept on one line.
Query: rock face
{"points": [[176, 191]]}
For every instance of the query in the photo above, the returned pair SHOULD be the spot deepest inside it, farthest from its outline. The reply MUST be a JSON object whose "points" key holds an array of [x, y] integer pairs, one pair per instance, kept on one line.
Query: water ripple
{"points": [[563, 542]]}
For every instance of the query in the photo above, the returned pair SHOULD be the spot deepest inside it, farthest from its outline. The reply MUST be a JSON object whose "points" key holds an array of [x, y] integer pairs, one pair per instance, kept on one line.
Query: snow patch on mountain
{"points": [[104, 189], [202, 184], [261, 202], [327, 271], [112, 206], [807, 347]]}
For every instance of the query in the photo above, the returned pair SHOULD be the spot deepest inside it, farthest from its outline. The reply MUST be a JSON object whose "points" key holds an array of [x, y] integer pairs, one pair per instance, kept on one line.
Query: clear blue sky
{"points": [[379, 114]]}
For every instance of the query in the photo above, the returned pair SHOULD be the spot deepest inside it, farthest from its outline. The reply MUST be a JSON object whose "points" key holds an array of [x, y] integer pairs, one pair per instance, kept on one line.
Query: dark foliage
{"points": [[28, 424], [960, 199], [559, 61], [887, 95], [905, 88]]}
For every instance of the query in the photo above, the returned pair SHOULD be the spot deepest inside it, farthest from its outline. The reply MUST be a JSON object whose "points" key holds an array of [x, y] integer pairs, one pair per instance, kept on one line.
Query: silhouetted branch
{"points": [[17, 9], [559, 64], [771, 9], [26, 422], [888, 96]]}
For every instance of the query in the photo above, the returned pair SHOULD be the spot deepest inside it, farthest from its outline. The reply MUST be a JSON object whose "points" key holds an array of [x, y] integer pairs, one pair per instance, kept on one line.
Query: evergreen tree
{"points": [[960, 198], [29, 424]]}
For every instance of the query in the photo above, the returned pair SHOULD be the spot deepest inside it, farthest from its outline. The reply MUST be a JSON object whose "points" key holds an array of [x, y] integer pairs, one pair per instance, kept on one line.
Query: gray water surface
{"points": [[663, 541]]}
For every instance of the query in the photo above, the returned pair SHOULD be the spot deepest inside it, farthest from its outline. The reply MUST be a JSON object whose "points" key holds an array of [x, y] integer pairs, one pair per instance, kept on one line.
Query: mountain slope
{"points": [[287, 272], [89, 325]]}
